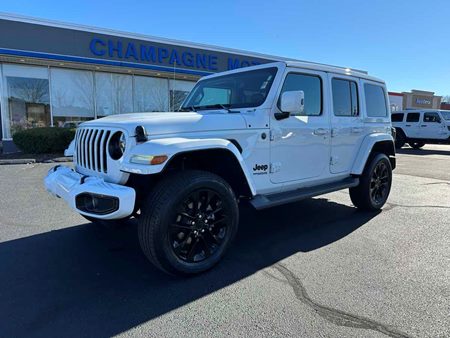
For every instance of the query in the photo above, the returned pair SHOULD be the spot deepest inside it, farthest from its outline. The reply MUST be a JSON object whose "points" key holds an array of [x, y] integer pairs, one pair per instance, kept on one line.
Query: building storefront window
{"points": [[34, 96], [113, 93], [72, 96], [27, 98], [150, 94], [179, 90]]}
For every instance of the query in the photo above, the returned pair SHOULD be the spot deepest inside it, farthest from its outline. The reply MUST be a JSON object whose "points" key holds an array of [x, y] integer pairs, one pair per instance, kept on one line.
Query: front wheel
{"points": [[416, 145], [375, 184], [188, 222]]}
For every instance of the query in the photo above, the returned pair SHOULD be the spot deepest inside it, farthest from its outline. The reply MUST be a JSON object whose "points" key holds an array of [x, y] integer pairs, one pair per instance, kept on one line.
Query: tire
{"points": [[110, 224], [400, 139], [416, 145], [375, 184], [183, 237]]}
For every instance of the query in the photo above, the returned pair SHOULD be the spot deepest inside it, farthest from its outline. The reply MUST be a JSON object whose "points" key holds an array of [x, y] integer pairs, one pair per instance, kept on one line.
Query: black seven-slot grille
{"points": [[91, 146]]}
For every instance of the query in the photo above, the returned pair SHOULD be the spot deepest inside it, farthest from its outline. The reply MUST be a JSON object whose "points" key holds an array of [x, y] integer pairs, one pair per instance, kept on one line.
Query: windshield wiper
{"points": [[188, 108], [215, 106]]}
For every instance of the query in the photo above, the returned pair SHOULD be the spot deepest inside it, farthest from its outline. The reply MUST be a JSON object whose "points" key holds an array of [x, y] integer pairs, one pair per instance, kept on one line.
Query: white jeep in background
{"points": [[419, 127], [270, 134]]}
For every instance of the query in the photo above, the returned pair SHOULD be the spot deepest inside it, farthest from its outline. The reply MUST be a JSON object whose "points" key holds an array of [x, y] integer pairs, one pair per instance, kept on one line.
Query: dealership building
{"points": [[415, 99], [57, 74]]}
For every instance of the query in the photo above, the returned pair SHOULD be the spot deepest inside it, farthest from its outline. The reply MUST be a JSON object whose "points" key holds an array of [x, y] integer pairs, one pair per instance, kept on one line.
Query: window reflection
{"points": [[72, 96], [150, 94], [28, 102], [179, 90], [114, 94]]}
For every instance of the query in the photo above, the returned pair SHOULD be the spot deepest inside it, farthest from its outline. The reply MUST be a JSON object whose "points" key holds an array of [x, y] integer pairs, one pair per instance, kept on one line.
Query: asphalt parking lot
{"points": [[317, 268]]}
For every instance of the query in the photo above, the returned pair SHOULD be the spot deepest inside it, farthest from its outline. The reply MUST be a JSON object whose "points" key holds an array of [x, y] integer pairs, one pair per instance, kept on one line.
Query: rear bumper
{"points": [[111, 201]]}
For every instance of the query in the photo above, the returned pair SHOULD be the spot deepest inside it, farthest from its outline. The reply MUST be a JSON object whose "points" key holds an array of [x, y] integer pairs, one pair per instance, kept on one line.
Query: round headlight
{"points": [[117, 145]]}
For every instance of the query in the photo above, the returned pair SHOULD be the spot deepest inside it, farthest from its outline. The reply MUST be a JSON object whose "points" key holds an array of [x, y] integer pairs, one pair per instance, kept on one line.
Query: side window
{"points": [[312, 88], [345, 97], [412, 117], [431, 118], [397, 117], [375, 100]]}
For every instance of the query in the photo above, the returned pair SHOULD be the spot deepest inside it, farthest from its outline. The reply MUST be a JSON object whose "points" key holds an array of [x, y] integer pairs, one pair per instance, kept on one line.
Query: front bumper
{"points": [[67, 184]]}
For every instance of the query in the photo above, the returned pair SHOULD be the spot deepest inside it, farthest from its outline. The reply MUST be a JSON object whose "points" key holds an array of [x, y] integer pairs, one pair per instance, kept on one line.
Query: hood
{"points": [[171, 122]]}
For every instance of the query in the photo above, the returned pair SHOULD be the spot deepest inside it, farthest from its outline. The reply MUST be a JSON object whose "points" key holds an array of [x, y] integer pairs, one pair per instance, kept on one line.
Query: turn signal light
{"points": [[148, 159], [158, 159]]}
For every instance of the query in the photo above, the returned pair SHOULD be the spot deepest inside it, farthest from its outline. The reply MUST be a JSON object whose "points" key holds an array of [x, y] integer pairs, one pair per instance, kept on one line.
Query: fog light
{"points": [[96, 204]]}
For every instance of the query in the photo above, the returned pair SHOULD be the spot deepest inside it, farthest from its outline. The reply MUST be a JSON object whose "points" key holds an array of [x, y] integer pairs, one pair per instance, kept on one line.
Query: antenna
{"points": [[173, 91]]}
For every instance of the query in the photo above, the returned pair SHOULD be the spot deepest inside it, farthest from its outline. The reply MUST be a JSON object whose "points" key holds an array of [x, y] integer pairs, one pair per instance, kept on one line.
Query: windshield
{"points": [[446, 115], [239, 90]]}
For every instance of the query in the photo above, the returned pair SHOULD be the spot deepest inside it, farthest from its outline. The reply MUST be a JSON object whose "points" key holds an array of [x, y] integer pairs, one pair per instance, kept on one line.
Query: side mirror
{"points": [[291, 102]]}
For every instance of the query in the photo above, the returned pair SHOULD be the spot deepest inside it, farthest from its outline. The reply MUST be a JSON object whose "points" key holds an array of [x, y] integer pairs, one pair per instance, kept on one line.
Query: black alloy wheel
{"points": [[199, 226], [416, 145], [374, 184], [188, 221], [379, 183]]}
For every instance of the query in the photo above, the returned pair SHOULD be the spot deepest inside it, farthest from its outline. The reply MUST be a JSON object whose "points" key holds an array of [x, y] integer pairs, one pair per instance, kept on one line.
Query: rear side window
{"points": [[412, 117], [431, 118], [397, 117], [345, 98], [375, 100], [312, 88]]}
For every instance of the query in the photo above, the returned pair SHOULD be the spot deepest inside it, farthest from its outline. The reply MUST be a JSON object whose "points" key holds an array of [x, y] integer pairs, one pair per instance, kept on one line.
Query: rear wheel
{"points": [[188, 222], [400, 139], [375, 184], [416, 145]]}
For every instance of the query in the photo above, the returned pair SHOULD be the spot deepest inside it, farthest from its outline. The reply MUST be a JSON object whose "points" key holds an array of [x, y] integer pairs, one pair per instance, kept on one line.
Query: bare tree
{"points": [[446, 98]]}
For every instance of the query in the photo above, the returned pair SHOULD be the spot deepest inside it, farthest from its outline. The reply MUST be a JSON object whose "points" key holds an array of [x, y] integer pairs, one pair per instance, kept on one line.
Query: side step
{"points": [[267, 201]]}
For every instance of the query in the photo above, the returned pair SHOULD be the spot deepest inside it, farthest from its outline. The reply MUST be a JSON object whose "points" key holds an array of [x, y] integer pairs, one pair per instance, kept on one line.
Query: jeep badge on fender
{"points": [[260, 169], [182, 174]]}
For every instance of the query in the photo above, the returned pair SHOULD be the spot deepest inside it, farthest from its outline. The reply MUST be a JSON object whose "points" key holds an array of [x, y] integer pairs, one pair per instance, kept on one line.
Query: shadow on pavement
{"points": [[423, 151], [93, 281]]}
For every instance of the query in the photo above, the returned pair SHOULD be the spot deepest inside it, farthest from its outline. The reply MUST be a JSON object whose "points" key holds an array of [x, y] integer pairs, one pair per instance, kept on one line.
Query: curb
{"points": [[33, 160], [18, 161]]}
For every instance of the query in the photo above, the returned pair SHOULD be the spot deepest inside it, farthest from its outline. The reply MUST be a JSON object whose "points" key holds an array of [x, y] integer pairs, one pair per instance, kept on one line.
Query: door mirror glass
{"points": [[292, 102]]}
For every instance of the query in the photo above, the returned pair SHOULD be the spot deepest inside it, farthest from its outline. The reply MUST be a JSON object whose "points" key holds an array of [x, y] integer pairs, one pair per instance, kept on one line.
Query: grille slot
{"points": [[91, 149]]}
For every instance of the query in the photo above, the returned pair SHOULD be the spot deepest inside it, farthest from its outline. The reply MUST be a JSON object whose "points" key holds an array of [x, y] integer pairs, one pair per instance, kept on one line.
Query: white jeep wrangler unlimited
{"points": [[419, 127], [272, 134]]}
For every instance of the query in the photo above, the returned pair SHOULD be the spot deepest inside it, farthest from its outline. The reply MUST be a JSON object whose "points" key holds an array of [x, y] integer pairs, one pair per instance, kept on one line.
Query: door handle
{"points": [[321, 131], [408, 125], [423, 125], [357, 130]]}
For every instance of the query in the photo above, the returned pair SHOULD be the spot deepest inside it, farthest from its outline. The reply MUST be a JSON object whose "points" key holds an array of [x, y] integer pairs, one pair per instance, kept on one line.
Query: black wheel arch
{"points": [[385, 147]]}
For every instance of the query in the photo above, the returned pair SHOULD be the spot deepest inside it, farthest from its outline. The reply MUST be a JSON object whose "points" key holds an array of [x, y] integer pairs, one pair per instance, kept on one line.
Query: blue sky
{"points": [[407, 43]]}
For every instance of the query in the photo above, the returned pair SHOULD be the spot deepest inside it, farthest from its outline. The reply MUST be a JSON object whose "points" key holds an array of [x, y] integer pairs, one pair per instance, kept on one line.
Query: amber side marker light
{"points": [[148, 159]]}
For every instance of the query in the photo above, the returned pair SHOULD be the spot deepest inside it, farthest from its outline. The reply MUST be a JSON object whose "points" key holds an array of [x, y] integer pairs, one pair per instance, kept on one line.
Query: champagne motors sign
{"points": [[26, 39]]}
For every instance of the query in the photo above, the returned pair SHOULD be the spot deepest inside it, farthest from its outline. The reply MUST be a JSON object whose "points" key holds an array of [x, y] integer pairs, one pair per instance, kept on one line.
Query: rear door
{"points": [[411, 126], [346, 123]]}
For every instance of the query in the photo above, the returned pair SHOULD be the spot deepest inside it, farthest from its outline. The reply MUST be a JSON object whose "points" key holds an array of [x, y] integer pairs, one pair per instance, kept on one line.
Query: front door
{"points": [[346, 123], [431, 126], [300, 144]]}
